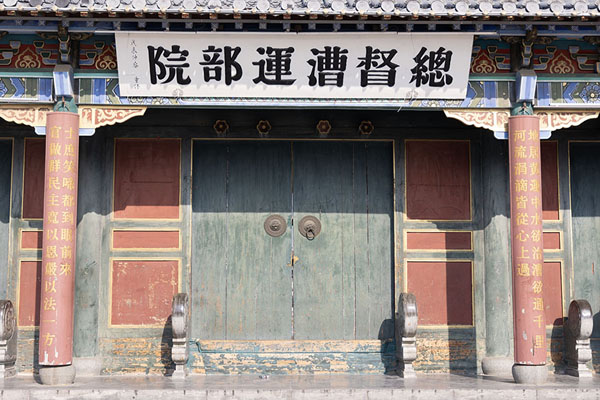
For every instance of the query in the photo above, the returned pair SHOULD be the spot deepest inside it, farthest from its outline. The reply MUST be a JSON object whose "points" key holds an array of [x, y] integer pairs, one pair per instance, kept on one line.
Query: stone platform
{"points": [[343, 387]]}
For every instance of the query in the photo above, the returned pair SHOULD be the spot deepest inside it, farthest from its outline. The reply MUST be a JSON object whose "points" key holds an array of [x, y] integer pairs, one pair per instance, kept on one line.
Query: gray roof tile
{"points": [[407, 8]]}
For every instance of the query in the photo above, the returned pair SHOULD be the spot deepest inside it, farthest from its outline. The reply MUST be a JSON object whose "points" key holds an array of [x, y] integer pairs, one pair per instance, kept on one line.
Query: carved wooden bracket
{"points": [[497, 120], [27, 115], [94, 117], [554, 120], [90, 117], [494, 120]]}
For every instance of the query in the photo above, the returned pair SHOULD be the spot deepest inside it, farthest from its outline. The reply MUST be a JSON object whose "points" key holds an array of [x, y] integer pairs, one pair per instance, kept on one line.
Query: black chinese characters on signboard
{"points": [[214, 65], [274, 66], [175, 62], [432, 68]]}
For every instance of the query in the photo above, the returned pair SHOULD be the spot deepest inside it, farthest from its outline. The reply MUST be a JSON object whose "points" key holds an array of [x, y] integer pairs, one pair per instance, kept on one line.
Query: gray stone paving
{"points": [[425, 387]]}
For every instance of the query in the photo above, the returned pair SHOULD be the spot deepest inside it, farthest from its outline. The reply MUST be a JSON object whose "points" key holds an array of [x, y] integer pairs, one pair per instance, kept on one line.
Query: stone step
{"points": [[338, 387]]}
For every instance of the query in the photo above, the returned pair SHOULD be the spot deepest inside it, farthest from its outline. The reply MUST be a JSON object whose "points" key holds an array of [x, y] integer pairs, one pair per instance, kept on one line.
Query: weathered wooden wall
{"points": [[477, 239]]}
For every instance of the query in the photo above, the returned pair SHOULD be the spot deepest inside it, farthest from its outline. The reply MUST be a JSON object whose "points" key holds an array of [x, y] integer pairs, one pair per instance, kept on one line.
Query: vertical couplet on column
{"points": [[58, 255], [526, 240]]}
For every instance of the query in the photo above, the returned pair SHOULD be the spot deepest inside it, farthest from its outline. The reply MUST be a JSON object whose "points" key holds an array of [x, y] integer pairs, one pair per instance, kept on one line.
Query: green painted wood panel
{"points": [[585, 214], [5, 191], [209, 239], [89, 255], [341, 290], [496, 211], [259, 280], [241, 281], [324, 274], [380, 193]]}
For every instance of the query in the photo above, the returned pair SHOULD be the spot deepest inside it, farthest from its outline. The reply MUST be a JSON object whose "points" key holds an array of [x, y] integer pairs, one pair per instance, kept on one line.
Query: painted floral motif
{"points": [[565, 56], [483, 64], [562, 65], [106, 60], [28, 59], [97, 54], [590, 93]]}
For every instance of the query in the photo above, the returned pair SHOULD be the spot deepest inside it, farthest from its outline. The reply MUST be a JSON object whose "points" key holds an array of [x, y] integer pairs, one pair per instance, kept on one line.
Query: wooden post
{"points": [[527, 249], [58, 255]]}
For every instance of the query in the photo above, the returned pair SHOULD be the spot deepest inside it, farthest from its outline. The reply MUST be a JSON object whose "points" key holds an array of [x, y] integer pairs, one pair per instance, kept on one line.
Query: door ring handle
{"points": [[309, 227]]}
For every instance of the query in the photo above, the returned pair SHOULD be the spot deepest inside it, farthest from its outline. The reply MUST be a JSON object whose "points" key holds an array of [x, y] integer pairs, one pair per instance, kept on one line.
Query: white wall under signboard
{"points": [[342, 65]]}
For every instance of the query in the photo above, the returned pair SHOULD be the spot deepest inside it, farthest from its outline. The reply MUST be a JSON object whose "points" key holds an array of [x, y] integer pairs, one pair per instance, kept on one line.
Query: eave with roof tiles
{"points": [[437, 9]]}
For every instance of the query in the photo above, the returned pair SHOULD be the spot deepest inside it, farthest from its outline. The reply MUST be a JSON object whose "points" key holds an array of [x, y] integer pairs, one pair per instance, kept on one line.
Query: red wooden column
{"points": [[58, 255], [527, 248]]}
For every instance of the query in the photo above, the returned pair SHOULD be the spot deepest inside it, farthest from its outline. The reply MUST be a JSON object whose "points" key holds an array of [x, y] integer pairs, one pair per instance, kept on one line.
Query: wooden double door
{"points": [[250, 285]]}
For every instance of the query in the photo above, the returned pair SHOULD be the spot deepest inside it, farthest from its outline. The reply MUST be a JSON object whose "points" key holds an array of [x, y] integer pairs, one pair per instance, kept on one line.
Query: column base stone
{"points": [[530, 374], [179, 372], [59, 375], [7, 370], [497, 366], [88, 366]]}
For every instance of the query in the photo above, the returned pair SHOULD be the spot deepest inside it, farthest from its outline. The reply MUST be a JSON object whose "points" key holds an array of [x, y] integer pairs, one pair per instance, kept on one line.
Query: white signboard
{"points": [[291, 65]]}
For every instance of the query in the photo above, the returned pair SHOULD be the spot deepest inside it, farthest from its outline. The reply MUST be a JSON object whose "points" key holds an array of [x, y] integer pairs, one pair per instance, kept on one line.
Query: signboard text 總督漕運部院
{"points": [[255, 65]]}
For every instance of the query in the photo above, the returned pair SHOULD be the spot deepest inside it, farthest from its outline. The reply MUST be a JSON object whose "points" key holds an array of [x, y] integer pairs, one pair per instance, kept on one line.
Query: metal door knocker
{"points": [[275, 225], [309, 227]]}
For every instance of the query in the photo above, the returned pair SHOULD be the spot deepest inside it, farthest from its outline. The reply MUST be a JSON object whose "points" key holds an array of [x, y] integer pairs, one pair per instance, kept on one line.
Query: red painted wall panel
{"points": [[33, 178], [30, 281], [551, 240], [147, 178], [438, 240], [552, 282], [549, 162], [438, 180], [443, 290], [145, 239], [142, 291], [31, 240]]}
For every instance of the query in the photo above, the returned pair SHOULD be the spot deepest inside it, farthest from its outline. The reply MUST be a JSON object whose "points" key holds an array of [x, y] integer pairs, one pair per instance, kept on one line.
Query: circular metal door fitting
{"points": [[275, 225], [309, 227]]}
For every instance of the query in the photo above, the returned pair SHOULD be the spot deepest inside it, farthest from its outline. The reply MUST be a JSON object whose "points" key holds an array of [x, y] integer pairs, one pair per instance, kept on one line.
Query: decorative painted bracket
{"points": [[497, 120], [90, 117]]}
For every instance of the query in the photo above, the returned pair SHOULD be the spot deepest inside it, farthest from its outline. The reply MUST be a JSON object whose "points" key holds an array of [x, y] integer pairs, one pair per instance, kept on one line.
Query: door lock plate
{"points": [[275, 225], [309, 227]]}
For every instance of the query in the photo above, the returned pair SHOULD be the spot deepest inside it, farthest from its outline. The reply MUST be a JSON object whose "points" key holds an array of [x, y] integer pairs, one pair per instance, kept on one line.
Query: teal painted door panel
{"points": [[585, 214], [245, 285], [343, 277], [241, 280]]}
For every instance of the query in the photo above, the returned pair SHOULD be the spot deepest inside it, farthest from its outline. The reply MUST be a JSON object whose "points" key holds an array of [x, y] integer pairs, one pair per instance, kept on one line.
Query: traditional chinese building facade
{"points": [[294, 185]]}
